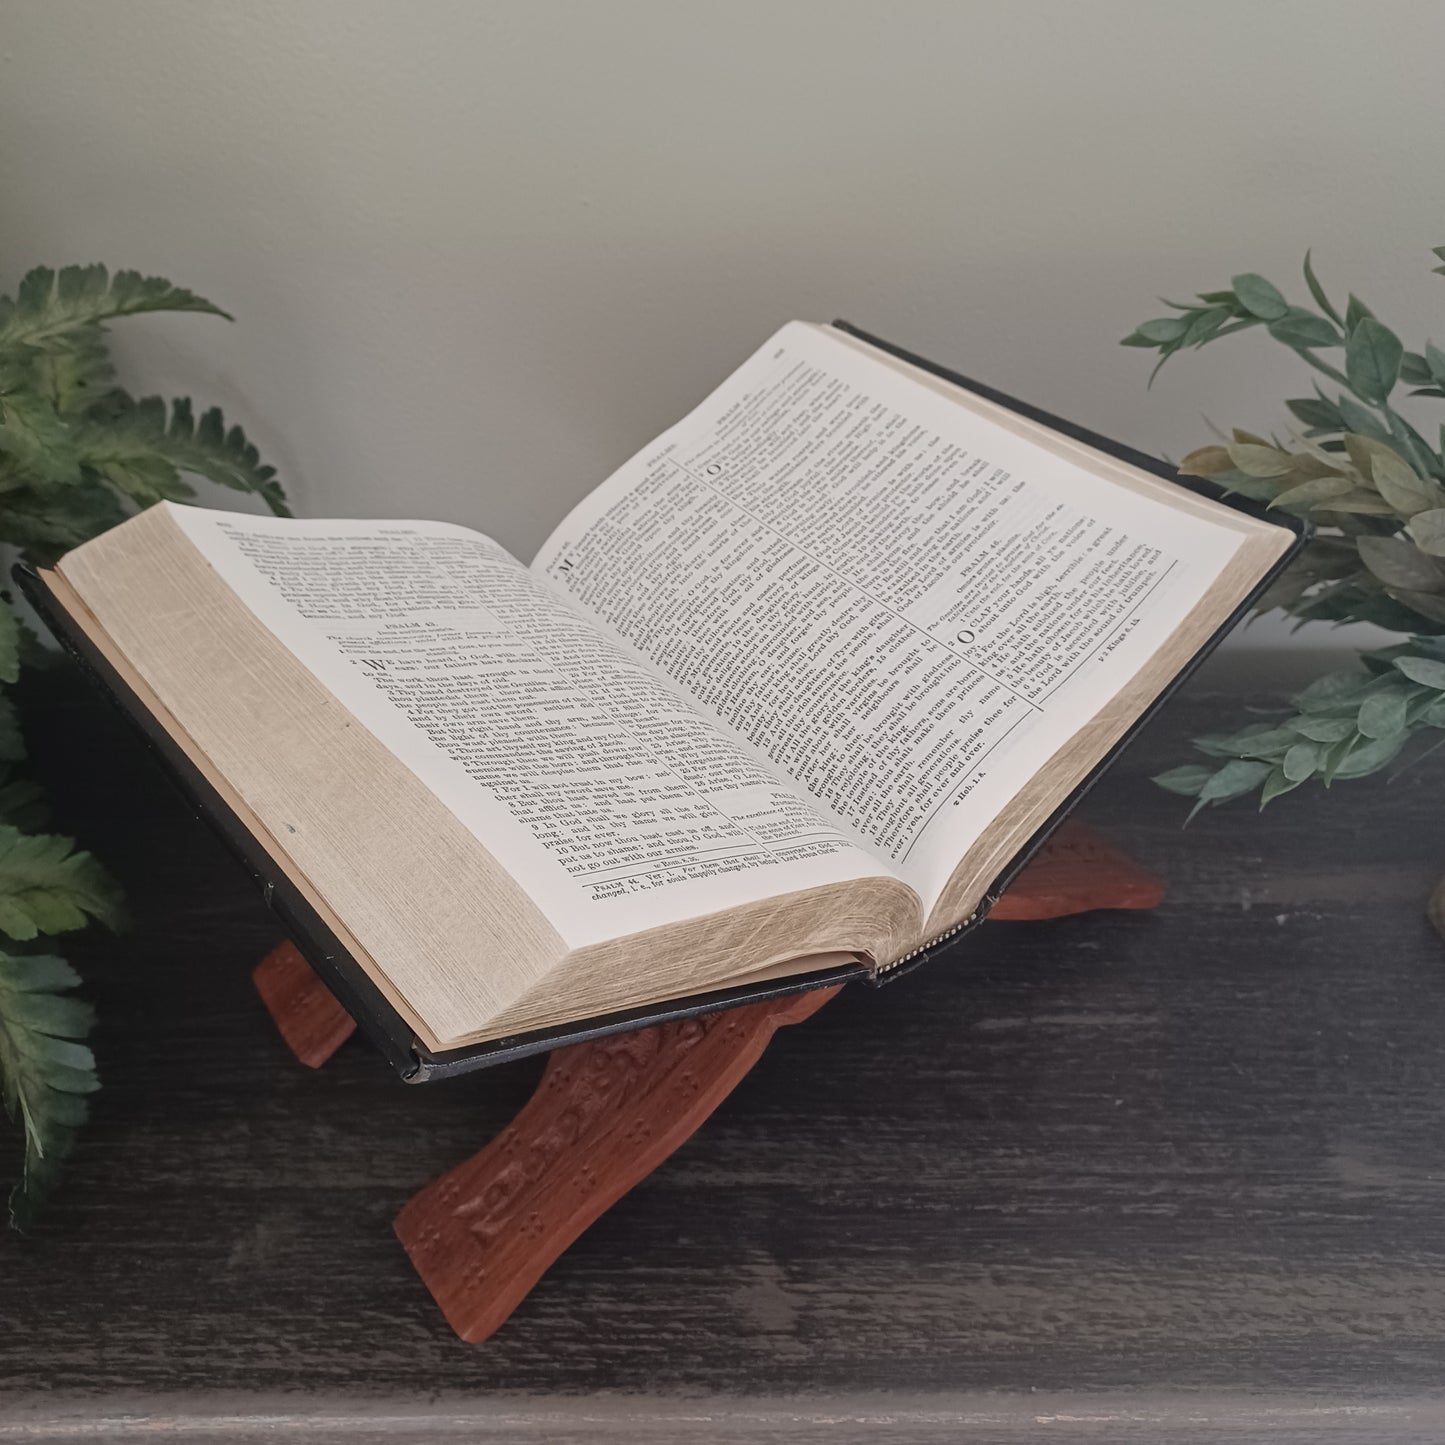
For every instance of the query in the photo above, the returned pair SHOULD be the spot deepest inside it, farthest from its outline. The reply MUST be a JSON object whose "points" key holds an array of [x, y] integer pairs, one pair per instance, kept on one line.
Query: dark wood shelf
{"points": [[1149, 1175]]}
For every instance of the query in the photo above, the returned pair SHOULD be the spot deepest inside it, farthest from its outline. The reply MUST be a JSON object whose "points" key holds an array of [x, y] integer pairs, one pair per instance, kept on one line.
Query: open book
{"points": [[786, 694]]}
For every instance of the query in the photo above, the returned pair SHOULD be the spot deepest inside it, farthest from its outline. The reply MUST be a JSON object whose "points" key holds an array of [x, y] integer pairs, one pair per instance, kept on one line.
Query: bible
{"points": [[781, 703]]}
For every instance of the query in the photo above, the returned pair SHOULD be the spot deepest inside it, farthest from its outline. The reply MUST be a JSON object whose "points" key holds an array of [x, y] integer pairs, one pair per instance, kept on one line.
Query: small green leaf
{"points": [[1318, 413], [1318, 292], [1187, 780], [1335, 758], [1163, 329], [1371, 756], [1217, 745], [1260, 461], [1311, 464], [1330, 690], [1425, 603], [1411, 446], [1358, 502], [1300, 761], [1398, 564], [1362, 420], [1414, 369], [1270, 743], [1435, 360], [1204, 325], [1427, 531], [1233, 780], [1259, 297], [1319, 492], [1424, 670], [1361, 450], [1205, 462], [1401, 488], [1275, 784], [1325, 729], [1382, 715], [1303, 330], [1372, 359], [1355, 312]]}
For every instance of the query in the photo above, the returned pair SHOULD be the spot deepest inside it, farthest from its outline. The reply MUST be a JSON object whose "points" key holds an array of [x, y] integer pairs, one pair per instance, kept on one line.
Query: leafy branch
{"points": [[45, 1071], [77, 455], [1345, 725], [51, 308], [132, 446], [46, 886], [1372, 485]]}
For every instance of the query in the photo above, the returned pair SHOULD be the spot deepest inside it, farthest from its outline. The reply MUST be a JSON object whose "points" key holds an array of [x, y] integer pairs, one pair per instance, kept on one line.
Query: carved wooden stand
{"points": [[607, 1113]]}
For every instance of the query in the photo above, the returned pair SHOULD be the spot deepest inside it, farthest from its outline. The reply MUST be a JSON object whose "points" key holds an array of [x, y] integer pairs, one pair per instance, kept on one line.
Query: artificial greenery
{"points": [[1371, 486], [77, 455]]}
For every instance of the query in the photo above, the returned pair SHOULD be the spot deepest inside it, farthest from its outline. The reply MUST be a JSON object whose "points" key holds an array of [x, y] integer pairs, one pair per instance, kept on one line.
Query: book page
{"points": [[608, 797], [904, 606]]}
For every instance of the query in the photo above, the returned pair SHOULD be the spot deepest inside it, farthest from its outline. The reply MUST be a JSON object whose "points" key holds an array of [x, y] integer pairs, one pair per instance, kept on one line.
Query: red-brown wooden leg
{"points": [[1077, 871], [303, 1009], [605, 1115]]}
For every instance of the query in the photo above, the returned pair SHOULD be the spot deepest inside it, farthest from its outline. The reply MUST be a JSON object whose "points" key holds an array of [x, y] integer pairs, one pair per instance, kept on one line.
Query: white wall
{"points": [[481, 252]]}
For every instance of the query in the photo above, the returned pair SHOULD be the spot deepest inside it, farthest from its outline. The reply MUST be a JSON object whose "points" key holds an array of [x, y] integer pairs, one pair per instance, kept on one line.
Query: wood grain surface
{"points": [[1173, 1175]]}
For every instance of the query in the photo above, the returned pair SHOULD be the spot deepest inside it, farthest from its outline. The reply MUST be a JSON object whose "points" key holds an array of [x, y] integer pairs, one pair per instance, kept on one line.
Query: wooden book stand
{"points": [[608, 1112]]}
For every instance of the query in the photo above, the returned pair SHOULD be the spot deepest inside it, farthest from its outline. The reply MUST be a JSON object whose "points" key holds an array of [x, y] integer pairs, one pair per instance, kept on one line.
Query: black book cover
{"points": [[348, 979]]}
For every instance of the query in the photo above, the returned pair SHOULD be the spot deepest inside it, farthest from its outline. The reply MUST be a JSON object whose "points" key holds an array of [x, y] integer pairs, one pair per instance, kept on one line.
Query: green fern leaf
{"points": [[36, 440], [74, 370], [146, 479], [12, 743], [46, 886], [50, 305], [10, 643], [45, 1071], [34, 652], [17, 371], [133, 445], [43, 524], [22, 801]]}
